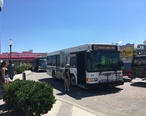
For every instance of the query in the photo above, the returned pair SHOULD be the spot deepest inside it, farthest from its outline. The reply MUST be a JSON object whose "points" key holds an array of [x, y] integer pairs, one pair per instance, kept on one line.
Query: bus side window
{"points": [[73, 62], [73, 65], [103, 60], [50, 63]]}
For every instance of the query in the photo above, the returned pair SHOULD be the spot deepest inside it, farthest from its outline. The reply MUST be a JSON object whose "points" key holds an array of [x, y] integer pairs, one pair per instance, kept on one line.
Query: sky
{"points": [[50, 25]]}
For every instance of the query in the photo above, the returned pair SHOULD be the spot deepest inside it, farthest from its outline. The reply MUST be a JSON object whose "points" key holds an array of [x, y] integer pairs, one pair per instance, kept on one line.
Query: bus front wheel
{"points": [[73, 80]]}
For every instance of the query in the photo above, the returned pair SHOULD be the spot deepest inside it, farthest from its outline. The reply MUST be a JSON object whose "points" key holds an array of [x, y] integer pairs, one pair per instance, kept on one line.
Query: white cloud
{"points": [[120, 42]]}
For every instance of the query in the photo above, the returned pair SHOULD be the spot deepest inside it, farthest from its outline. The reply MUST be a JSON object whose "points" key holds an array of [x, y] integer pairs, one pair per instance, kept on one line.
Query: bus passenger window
{"points": [[73, 65], [103, 60]]}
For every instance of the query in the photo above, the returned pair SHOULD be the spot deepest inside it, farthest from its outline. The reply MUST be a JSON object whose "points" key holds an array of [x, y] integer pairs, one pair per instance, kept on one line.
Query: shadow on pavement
{"points": [[1, 92], [77, 92], [7, 110], [1, 95], [139, 84], [127, 80], [40, 71]]}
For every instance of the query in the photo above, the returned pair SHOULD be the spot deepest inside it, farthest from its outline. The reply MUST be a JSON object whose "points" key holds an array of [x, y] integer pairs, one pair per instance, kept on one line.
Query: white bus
{"points": [[91, 65]]}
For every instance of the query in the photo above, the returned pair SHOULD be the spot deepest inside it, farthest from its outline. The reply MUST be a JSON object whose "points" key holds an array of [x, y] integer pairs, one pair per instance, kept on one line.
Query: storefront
{"points": [[20, 57]]}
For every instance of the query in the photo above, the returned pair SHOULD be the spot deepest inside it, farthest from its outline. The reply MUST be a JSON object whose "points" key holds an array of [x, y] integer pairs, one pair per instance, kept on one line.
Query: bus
{"points": [[91, 65], [139, 66], [40, 64]]}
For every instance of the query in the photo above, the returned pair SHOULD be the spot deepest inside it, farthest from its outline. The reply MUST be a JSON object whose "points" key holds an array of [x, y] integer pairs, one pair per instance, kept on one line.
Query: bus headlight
{"points": [[91, 79]]}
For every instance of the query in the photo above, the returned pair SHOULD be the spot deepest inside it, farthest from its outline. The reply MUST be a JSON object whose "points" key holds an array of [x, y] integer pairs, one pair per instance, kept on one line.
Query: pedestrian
{"points": [[4, 76], [11, 69], [67, 77]]}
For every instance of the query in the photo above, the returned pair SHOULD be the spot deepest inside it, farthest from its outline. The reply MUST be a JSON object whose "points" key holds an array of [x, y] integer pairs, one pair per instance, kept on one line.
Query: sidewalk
{"points": [[63, 107]]}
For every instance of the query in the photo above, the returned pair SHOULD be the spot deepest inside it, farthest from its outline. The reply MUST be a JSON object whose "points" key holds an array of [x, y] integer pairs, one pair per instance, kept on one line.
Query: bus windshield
{"points": [[139, 61], [42, 61], [103, 61]]}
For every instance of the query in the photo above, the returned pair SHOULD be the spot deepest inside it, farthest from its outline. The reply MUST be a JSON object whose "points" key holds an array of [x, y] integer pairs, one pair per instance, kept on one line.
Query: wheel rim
{"points": [[73, 81]]}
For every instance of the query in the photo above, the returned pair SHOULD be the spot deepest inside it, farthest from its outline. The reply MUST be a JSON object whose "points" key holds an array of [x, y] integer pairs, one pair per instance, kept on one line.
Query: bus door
{"points": [[81, 73], [58, 70]]}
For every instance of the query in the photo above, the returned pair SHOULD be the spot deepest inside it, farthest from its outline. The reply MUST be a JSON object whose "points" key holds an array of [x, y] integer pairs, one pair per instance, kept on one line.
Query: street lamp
{"points": [[1, 4], [10, 44]]}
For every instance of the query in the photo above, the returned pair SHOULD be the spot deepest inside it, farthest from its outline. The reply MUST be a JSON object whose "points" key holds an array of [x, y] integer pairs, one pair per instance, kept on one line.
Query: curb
{"points": [[81, 107]]}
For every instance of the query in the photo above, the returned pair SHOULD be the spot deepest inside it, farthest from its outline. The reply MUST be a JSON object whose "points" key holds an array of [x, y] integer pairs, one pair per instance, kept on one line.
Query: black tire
{"points": [[73, 80]]}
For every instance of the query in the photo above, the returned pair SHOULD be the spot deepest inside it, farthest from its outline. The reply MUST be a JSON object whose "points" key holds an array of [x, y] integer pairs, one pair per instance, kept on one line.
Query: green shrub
{"points": [[29, 96], [26, 66], [23, 67], [19, 69]]}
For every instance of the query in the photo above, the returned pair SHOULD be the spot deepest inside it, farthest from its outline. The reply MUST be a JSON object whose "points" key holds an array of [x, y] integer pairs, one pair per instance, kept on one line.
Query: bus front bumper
{"points": [[107, 84]]}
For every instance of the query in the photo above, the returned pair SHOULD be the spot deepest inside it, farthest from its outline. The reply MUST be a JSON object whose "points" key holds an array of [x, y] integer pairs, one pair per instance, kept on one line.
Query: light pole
{"points": [[1, 4], [10, 44]]}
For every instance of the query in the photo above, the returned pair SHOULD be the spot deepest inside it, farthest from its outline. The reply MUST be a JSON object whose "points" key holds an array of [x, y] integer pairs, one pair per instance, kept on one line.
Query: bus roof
{"points": [[84, 47]]}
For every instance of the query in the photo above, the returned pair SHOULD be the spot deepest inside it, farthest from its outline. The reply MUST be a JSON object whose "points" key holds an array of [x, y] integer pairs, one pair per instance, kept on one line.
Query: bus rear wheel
{"points": [[73, 80]]}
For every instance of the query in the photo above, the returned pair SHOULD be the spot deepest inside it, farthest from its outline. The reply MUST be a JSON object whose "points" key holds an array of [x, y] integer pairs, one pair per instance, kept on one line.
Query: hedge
{"points": [[30, 97]]}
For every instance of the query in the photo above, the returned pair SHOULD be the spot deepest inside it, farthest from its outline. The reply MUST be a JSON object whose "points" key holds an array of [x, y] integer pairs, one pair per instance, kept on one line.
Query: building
{"points": [[20, 57], [126, 52]]}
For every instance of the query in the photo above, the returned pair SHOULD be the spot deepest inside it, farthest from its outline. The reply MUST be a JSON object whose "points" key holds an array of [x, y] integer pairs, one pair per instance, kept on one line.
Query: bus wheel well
{"points": [[73, 80], [53, 75]]}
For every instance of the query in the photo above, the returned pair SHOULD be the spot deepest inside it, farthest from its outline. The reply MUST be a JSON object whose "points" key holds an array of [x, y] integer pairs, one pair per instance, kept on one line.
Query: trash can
{"points": [[23, 76]]}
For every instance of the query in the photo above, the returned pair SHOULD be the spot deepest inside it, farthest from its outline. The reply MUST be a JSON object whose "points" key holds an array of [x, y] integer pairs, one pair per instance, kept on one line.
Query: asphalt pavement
{"points": [[60, 108]]}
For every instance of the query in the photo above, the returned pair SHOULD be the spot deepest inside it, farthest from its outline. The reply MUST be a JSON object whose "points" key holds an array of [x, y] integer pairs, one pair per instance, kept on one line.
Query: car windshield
{"points": [[103, 61]]}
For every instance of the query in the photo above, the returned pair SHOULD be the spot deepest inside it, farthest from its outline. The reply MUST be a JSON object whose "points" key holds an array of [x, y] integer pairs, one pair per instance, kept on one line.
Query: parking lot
{"points": [[125, 100]]}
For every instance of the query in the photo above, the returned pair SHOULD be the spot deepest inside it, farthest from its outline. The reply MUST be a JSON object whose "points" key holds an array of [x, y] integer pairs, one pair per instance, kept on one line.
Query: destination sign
{"points": [[104, 47]]}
